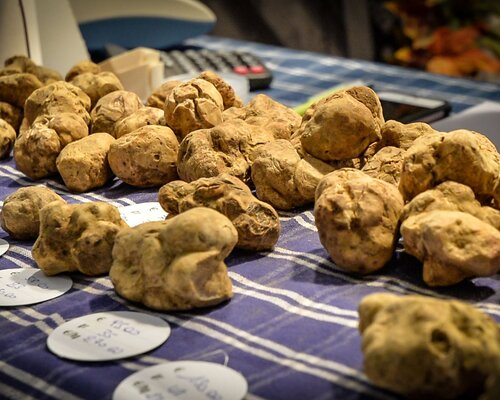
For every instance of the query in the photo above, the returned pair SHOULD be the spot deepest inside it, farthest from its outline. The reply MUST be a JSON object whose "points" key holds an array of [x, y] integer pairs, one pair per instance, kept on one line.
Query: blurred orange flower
{"points": [[444, 40], [453, 46]]}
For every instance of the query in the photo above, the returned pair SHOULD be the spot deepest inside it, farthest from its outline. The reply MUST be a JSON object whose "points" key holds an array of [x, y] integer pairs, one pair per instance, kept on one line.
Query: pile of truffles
{"points": [[371, 182]]}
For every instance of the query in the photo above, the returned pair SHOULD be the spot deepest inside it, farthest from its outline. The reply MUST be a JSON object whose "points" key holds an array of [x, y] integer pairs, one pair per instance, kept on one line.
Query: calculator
{"points": [[242, 63]]}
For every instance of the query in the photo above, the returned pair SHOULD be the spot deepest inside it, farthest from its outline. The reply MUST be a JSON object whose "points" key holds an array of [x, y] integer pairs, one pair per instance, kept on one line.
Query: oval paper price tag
{"points": [[23, 286], [108, 336], [4, 246], [137, 214], [185, 380]]}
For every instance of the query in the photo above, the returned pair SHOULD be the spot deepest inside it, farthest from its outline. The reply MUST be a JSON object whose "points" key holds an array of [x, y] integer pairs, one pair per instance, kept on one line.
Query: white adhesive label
{"points": [[23, 286], [137, 214], [185, 380], [108, 336], [4, 246]]}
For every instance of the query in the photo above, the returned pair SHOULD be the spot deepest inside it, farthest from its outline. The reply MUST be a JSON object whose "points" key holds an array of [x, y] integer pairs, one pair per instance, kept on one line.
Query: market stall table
{"points": [[291, 327]]}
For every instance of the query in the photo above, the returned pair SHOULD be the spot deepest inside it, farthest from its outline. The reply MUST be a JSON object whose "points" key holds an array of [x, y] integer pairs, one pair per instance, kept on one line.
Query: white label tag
{"points": [[4, 246], [23, 286], [137, 214], [108, 336], [186, 380]]}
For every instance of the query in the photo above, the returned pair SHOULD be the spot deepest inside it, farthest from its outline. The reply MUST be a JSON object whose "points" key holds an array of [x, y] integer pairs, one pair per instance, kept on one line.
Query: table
{"points": [[291, 327]]}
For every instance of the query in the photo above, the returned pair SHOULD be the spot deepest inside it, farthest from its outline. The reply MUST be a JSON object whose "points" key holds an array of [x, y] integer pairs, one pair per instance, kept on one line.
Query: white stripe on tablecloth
{"points": [[301, 221], [37, 383], [16, 261], [11, 393], [20, 250], [42, 326], [309, 215], [296, 257], [291, 309], [104, 280], [296, 364], [250, 396], [14, 318], [302, 300], [88, 289], [56, 317], [18, 178], [131, 365], [389, 283], [278, 347], [153, 359], [60, 189], [489, 307]]}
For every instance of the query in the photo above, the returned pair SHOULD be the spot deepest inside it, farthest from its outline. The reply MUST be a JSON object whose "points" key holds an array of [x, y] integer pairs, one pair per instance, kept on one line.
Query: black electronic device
{"points": [[243, 63], [407, 108]]}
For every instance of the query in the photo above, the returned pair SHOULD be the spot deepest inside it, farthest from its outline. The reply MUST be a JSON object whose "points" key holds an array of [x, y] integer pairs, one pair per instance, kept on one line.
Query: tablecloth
{"points": [[291, 327]]}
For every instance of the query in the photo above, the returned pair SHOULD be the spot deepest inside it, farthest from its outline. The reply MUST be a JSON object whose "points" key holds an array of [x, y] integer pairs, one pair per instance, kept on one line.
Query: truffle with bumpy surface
{"points": [[427, 348], [145, 157], [77, 238], [20, 211], [452, 245], [257, 223], [451, 196], [192, 105], [339, 128], [357, 219], [112, 108], [83, 164], [177, 264], [7, 138], [462, 156], [225, 148]]}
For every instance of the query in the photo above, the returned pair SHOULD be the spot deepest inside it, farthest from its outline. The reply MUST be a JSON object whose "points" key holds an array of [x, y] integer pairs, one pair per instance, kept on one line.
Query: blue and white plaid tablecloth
{"points": [[291, 327]]}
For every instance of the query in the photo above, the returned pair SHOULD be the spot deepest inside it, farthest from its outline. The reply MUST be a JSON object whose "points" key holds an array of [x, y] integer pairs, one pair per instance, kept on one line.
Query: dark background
{"points": [[376, 30], [345, 28]]}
